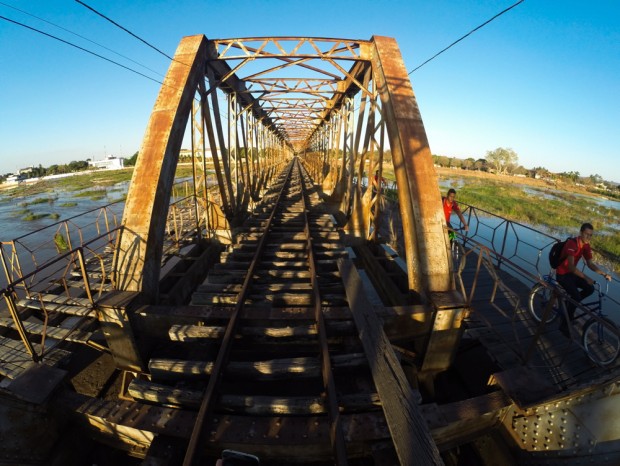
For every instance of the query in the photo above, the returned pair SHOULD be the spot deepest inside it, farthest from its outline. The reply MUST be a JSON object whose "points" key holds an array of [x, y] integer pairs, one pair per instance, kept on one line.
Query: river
{"points": [[525, 246]]}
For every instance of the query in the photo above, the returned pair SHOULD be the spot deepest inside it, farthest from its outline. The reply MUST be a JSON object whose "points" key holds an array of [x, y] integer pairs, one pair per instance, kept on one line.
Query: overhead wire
{"points": [[171, 58], [123, 28], [466, 35], [81, 37], [79, 48]]}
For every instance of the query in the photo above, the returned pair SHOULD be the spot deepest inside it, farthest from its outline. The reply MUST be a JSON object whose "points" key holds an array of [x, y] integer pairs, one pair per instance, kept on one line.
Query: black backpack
{"points": [[555, 254]]}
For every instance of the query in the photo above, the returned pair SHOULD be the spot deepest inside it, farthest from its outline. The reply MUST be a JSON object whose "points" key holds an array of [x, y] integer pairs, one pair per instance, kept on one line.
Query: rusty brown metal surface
{"points": [[254, 113], [139, 256], [423, 221]]}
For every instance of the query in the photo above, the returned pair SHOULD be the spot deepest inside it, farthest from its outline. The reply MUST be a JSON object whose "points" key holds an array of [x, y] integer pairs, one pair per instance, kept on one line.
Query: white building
{"points": [[15, 179], [187, 153], [109, 163]]}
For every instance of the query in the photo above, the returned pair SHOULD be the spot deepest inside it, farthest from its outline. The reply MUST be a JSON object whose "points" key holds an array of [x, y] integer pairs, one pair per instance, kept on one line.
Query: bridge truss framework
{"points": [[254, 103]]}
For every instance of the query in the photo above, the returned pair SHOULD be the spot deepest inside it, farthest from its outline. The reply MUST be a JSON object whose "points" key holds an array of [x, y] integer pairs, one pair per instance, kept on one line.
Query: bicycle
{"points": [[457, 250], [600, 337]]}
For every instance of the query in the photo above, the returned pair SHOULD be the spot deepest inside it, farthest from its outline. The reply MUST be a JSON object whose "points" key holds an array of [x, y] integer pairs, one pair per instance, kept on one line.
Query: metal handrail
{"points": [[492, 259], [9, 293], [500, 229]]}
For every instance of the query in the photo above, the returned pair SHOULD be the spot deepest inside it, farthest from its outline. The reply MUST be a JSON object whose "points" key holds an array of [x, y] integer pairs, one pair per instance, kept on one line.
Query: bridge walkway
{"points": [[537, 362]]}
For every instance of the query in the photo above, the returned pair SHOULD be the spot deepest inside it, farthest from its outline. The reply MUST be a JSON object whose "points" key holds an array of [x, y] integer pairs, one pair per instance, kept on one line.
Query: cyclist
{"points": [[449, 206], [377, 181], [576, 283]]}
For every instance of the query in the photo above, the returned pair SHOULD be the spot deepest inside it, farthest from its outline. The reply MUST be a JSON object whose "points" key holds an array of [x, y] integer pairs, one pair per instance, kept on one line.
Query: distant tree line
{"points": [[505, 161], [71, 167]]}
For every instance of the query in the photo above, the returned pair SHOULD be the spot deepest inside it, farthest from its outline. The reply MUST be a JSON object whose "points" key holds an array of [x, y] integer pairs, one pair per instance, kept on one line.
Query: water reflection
{"points": [[528, 248], [525, 246]]}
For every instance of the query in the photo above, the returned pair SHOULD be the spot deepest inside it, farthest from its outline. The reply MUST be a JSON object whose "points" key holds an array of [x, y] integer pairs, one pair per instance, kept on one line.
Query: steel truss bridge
{"points": [[254, 103], [247, 301]]}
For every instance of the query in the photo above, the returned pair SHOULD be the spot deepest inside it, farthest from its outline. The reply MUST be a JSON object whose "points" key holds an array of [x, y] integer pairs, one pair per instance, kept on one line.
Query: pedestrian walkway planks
{"points": [[501, 322]]}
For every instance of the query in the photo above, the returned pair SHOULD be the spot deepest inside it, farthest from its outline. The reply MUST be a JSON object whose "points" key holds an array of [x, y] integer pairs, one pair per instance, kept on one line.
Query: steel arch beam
{"points": [[420, 203], [138, 259]]}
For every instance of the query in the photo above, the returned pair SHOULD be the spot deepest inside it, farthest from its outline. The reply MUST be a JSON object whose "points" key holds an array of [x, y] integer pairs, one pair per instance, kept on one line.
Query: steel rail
{"points": [[335, 431], [206, 405]]}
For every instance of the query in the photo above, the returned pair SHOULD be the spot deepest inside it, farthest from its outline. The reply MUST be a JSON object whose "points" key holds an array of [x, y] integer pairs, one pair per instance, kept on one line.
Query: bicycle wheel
{"points": [[539, 297], [600, 342]]}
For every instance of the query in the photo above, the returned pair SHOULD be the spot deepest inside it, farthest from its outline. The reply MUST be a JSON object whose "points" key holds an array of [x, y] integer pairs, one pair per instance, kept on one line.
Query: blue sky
{"points": [[542, 79]]}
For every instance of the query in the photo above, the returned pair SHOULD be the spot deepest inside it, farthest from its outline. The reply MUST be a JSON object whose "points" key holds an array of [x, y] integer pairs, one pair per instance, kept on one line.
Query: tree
{"points": [[596, 179], [501, 159], [572, 176], [38, 172], [540, 172], [77, 165], [131, 161], [481, 165], [468, 163]]}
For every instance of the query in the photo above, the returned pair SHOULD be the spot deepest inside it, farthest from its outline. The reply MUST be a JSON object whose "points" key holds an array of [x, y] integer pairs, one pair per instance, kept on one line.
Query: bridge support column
{"points": [[418, 193], [450, 309], [113, 312], [138, 259]]}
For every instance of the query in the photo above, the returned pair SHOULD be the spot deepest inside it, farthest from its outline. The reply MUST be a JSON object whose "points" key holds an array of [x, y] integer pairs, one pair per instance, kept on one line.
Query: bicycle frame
{"points": [[588, 308], [600, 337]]}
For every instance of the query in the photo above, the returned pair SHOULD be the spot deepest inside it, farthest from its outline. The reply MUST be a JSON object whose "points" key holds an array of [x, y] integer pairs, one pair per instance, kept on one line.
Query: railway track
{"points": [[278, 354], [280, 371]]}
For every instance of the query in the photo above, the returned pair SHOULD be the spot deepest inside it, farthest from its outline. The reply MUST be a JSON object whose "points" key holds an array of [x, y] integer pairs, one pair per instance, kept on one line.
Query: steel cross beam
{"points": [[340, 104]]}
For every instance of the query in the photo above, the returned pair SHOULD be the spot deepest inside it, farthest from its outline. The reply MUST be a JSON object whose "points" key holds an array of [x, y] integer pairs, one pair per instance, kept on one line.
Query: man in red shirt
{"points": [[576, 283], [450, 205]]}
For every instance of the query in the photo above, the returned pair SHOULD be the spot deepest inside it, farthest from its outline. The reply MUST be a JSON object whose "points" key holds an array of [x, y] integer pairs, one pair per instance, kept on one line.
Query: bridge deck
{"points": [[534, 369]]}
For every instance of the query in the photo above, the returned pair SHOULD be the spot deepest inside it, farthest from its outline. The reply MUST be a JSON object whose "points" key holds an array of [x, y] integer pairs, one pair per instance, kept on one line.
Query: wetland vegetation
{"points": [[560, 208]]}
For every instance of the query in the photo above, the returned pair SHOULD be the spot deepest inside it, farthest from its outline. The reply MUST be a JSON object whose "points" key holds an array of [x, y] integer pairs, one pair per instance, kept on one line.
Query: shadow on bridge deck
{"points": [[533, 369]]}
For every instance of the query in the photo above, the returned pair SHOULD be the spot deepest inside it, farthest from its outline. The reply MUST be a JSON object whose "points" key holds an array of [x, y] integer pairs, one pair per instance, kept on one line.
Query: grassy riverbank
{"points": [[84, 182], [559, 208]]}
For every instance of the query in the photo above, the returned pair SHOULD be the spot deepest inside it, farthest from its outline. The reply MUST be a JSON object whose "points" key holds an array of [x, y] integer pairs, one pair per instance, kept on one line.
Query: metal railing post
{"points": [[19, 326]]}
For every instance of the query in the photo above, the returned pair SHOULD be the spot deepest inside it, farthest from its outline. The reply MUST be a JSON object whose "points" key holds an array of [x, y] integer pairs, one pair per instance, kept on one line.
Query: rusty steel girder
{"points": [[339, 104]]}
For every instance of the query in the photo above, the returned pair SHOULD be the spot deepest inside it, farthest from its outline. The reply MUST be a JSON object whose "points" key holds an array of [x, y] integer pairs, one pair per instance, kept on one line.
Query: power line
{"points": [[123, 28], [78, 47], [466, 35], [81, 37]]}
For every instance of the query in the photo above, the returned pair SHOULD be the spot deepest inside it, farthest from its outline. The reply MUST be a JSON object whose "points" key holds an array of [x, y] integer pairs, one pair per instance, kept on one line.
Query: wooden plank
{"points": [[199, 332], [525, 386], [36, 383], [70, 309], [236, 288], [62, 299], [182, 289], [274, 369], [410, 433], [510, 331], [446, 332], [14, 358], [265, 435], [282, 299], [247, 405], [112, 312], [386, 287], [78, 336]]}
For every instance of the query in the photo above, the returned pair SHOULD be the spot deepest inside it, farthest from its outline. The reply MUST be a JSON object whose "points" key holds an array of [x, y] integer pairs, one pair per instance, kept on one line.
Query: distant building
{"points": [[15, 178], [109, 163], [187, 153]]}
